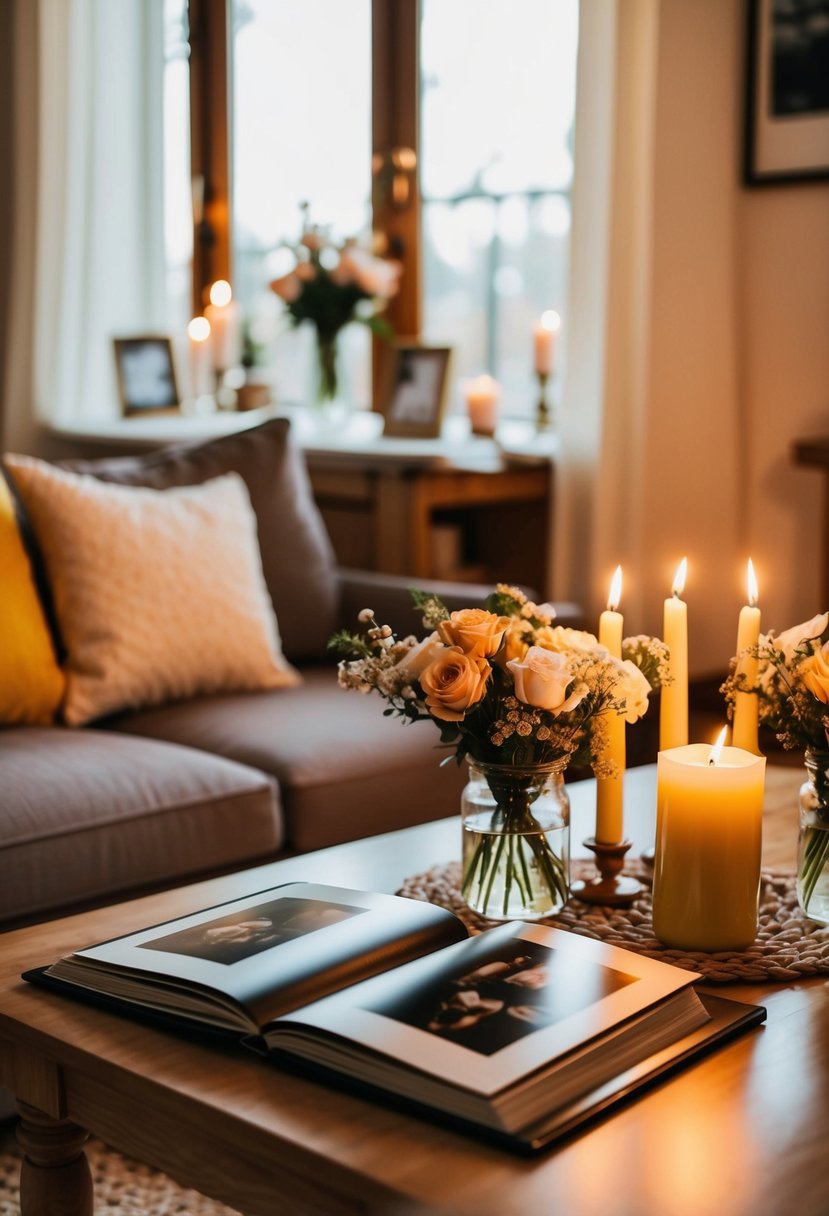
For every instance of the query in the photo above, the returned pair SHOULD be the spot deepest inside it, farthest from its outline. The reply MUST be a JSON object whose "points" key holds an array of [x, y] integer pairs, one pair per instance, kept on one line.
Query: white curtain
{"points": [[652, 465], [93, 199]]}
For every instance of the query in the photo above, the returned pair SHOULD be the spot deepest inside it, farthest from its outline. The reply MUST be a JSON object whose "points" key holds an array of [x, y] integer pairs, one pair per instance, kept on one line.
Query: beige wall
{"points": [[739, 359]]}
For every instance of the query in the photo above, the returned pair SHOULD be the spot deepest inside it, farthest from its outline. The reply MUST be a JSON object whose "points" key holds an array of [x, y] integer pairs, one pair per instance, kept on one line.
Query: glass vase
{"points": [[813, 839], [327, 368], [516, 841]]}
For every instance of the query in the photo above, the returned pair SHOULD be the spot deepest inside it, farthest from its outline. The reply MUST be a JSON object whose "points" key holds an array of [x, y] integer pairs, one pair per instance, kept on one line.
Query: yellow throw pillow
{"points": [[31, 683], [159, 594]]}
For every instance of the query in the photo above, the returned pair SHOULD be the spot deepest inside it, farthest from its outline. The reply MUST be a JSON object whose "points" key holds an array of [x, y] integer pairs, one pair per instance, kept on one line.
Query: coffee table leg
{"points": [[54, 1178]]}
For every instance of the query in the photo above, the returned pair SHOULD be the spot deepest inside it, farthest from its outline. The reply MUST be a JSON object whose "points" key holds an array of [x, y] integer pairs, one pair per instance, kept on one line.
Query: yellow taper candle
{"points": [[609, 790], [706, 878], [745, 703], [673, 708]]}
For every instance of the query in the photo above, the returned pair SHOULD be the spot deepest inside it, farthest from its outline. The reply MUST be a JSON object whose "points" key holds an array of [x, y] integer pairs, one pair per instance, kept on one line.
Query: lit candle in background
{"points": [[225, 323], [545, 335], [746, 707], [673, 709], [610, 790], [198, 343], [706, 879], [482, 396]]}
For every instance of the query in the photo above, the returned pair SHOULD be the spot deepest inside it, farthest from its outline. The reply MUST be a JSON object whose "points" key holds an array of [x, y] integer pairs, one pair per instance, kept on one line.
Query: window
{"points": [[449, 123]]}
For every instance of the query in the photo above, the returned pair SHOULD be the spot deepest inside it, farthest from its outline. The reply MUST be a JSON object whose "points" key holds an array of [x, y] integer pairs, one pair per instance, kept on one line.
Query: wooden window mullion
{"points": [[210, 102]]}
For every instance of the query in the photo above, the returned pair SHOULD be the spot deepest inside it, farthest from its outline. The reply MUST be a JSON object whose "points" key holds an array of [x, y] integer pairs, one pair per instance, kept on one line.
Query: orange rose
{"points": [[453, 683], [477, 632], [815, 674]]}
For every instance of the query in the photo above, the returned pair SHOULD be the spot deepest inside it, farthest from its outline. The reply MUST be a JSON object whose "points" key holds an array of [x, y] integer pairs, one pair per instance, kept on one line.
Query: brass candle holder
{"points": [[543, 415], [611, 887]]}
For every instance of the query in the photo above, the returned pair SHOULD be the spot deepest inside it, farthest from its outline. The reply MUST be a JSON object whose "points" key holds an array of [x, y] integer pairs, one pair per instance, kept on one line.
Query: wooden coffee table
{"points": [[743, 1131]]}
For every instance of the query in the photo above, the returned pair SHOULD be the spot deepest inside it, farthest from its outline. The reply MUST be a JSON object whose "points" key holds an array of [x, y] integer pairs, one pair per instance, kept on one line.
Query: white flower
{"points": [[632, 688], [790, 639]]}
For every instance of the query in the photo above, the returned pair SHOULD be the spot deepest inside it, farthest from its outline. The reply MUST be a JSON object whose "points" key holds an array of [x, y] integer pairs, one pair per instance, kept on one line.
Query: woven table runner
{"points": [[788, 946]]}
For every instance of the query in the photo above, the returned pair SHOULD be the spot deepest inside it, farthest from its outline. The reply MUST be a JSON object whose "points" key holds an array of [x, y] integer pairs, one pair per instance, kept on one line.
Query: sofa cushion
{"points": [[344, 771], [88, 814], [159, 594], [297, 557], [31, 683]]}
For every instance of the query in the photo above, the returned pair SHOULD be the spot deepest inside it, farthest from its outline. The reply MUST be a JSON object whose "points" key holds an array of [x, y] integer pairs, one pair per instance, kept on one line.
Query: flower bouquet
{"points": [[330, 286], [521, 699], [792, 689]]}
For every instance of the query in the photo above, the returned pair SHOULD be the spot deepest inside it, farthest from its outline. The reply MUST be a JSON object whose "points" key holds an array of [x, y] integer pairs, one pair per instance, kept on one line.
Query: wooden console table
{"points": [[814, 453], [459, 507]]}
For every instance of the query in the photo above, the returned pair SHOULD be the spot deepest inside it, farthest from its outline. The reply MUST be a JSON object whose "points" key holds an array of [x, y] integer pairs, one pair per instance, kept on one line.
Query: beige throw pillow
{"points": [[159, 594]]}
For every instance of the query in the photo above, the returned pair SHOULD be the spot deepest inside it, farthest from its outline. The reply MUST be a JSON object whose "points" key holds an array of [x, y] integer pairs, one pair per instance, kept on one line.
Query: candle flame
{"points": [[199, 329], [221, 293], [716, 749], [679, 578], [751, 584], [551, 321], [615, 590]]}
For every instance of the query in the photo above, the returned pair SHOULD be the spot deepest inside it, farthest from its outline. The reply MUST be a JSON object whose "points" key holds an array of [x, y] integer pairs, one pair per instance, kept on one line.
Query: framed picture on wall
{"points": [[787, 92], [146, 374], [415, 399]]}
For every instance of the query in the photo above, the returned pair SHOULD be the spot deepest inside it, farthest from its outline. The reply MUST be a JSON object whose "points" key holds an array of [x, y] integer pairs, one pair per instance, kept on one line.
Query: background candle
{"points": [[745, 703], [198, 349], [609, 790], [482, 396], [706, 879], [673, 709], [545, 336], [226, 328]]}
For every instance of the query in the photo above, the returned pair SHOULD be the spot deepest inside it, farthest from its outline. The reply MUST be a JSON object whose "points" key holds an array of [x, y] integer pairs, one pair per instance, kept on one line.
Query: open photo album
{"points": [[523, 1031]]}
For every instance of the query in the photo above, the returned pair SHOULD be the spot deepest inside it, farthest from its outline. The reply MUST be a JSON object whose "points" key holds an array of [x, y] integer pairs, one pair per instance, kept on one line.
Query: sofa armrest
{"points": [[388, 595]]}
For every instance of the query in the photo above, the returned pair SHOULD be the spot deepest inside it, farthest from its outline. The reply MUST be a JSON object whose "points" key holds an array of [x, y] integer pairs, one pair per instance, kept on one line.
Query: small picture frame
{"points": [[415, 399], [787, 93], [146, 374]]}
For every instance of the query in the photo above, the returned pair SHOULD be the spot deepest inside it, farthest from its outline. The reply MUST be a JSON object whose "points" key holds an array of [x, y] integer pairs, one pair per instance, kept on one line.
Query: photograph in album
{"points": [[516, 988], [230, 939]]}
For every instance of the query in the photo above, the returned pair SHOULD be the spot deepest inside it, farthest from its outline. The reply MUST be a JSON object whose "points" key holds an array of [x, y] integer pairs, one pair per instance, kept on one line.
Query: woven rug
{"points": [[122, 1187], [788, 946]]}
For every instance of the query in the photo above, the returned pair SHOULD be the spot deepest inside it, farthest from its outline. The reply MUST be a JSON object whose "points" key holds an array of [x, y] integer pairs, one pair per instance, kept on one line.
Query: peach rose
{"points": [[815, 674], [477, 632], [288, 288], [518, 638], [542, 679], [417, 659], [453, 682]]}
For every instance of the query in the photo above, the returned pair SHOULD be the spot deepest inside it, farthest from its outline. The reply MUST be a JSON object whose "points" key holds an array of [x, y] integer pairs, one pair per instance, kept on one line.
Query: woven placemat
{"points": [[788, 946]]}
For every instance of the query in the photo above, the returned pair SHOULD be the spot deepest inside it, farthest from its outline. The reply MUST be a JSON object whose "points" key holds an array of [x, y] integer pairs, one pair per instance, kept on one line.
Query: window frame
{"points": [[395, 147]]}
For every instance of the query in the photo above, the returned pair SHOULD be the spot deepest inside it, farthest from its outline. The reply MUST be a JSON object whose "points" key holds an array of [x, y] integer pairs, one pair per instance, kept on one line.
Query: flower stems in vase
{"points": [[515, 859], [814, 864]]}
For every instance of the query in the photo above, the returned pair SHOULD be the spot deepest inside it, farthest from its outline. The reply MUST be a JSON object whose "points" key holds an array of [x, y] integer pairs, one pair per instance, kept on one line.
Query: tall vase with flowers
{"points": [[792, 689], [330, 286], [519, 699]]}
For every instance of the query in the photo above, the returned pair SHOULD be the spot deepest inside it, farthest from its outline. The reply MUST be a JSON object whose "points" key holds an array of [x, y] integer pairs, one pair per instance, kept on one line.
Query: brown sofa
{"points": [[158, 796]]}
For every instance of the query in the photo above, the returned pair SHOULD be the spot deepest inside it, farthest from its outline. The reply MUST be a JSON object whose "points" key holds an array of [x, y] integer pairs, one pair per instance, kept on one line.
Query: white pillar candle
{"points": [[198, 350], [226, 326], [545, 336], [482, 396], [673, 709], [609, 790], [746, 708], [706, 881]]}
